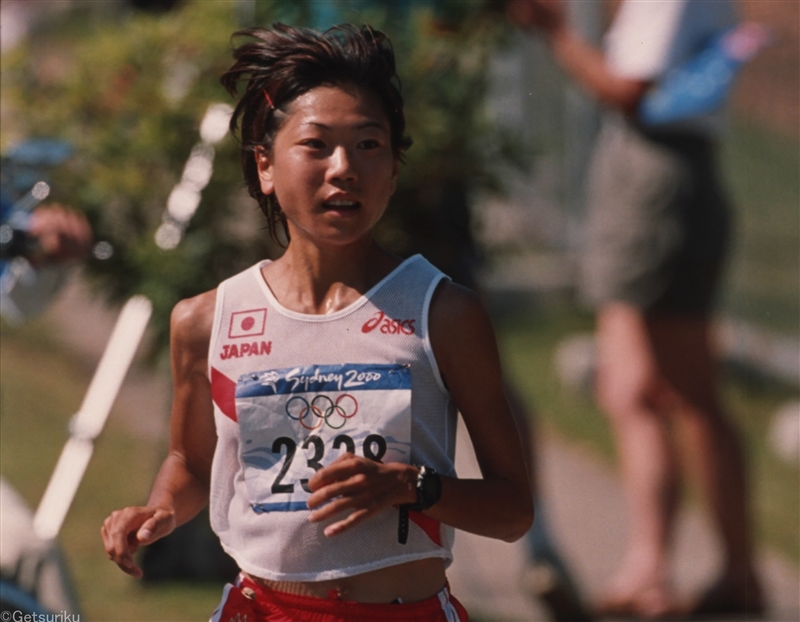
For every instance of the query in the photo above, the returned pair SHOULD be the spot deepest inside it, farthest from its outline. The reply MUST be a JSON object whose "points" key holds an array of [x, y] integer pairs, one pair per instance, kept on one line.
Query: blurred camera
{"points": [[16, 242]]}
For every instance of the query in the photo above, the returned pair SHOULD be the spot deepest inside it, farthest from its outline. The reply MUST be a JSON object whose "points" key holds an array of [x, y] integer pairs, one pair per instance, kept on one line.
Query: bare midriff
{"points": [[410, 582]]}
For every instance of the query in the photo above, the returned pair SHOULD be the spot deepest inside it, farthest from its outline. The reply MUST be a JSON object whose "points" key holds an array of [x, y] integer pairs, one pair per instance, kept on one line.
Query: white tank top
{"points": [[292, 392]]}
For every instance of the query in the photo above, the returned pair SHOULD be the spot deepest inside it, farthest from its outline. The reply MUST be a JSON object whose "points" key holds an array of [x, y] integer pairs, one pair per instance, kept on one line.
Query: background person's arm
{"points": [[582, 61]]}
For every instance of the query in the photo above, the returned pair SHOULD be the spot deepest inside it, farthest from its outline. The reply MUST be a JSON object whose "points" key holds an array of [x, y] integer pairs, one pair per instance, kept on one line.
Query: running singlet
{"points": [[292, 392]]}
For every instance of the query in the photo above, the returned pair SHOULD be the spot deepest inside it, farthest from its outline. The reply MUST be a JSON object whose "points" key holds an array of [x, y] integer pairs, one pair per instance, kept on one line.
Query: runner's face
{"points": [[332, 167]]}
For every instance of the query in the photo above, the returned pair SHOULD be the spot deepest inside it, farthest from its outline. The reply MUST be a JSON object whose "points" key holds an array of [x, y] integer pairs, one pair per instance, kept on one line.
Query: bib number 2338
{"points": [[294, 421]]}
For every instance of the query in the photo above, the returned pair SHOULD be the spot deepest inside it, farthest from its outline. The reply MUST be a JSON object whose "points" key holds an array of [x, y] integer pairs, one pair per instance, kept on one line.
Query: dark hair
{"points": [[285, 62]]}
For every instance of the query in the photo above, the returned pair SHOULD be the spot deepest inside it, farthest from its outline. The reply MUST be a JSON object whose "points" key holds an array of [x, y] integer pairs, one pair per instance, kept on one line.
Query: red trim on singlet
{"points": [[223, 392], [430, 526]]}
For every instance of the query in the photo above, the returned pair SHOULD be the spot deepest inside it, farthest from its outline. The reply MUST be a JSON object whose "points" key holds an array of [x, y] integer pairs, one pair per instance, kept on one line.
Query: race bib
{"points": [[294, 421]]}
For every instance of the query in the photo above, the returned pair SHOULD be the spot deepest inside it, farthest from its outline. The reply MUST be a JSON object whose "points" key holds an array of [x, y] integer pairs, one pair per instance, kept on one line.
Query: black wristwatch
{"points": [[429, 490]]}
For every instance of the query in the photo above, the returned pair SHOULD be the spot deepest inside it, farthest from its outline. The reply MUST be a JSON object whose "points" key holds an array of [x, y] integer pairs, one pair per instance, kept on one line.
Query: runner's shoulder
{"points": [[454, 306], [456, 312], [192, 320]]}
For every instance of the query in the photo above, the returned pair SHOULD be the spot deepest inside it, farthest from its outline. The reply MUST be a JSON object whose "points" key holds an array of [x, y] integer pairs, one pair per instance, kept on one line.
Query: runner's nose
{"points": [[341, 165]]}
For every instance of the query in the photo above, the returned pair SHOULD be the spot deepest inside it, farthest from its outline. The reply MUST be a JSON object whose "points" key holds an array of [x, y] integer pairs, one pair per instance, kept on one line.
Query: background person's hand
{"points": [[360, 487], [63, 234], [545, 15]]}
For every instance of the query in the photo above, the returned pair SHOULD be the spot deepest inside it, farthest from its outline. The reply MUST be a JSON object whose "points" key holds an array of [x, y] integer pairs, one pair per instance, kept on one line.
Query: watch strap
{"points": [[429, 489]]}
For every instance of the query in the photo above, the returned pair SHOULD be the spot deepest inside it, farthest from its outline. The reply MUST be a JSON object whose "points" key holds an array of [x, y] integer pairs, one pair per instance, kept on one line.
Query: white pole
{"points": [[88, 422]]}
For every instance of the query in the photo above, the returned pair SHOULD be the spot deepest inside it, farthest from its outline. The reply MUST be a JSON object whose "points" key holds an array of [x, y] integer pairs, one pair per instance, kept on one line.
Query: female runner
{"points": [[316, 396]]}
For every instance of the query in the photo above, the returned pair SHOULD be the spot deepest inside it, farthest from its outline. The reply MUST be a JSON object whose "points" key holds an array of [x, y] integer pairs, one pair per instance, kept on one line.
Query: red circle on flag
{"points": [[248, 323]]}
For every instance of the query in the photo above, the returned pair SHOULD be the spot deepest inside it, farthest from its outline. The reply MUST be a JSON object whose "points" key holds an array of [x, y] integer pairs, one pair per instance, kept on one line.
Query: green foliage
{"points": [[129, 91], [456, 146], [763, 170]]}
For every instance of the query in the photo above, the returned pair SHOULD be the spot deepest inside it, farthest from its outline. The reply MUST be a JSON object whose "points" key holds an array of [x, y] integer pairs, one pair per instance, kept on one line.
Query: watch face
{"points": [[429, 487]]}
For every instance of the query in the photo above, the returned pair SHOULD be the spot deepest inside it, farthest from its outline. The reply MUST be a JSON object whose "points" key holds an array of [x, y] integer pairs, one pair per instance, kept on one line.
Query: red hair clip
{"points": [[269, 99]]}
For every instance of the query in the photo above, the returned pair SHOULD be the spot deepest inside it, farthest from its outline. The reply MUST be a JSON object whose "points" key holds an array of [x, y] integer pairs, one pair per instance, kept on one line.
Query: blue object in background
{"points": [[703, 84], [40, 152], [26, 163], [22, 166]]}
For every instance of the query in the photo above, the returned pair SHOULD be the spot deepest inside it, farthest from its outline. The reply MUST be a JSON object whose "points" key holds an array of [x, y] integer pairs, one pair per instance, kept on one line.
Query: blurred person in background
{"points": [[657, 232], [39, 249], [51, 240]]}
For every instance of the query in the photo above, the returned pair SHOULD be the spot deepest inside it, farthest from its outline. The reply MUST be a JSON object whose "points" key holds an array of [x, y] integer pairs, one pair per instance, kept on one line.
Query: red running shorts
{"points": [[247, 601]]}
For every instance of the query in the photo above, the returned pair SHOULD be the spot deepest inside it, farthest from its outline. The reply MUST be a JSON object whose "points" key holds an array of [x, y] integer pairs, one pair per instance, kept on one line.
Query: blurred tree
{"points": [[129, 89]]}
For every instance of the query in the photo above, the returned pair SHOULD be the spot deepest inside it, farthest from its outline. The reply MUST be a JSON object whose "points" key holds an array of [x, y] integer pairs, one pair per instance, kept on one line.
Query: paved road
{"points": [[583, 497], [584, 501]]}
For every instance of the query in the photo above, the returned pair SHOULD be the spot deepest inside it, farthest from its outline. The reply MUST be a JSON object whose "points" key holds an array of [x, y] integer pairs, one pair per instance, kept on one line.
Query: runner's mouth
{"points": [[341, 206]]}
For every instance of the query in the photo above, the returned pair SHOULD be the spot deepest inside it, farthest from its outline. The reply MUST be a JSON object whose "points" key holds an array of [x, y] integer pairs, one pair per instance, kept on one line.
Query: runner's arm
{"points": [[499, 505], [181, 487], [182, 484]]}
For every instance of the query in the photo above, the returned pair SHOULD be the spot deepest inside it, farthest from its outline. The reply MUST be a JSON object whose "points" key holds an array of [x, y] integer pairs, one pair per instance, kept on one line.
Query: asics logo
{"points": [[388, 326]]}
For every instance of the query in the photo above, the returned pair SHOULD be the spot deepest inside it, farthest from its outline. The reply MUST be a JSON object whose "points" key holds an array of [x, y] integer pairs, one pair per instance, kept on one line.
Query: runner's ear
{"points": [[265, 171]]}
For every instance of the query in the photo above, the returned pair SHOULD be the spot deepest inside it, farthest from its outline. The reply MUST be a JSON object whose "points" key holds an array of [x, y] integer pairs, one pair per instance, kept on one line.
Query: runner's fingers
{"points": [[321, 515], [119, 536], [323, 510], [127, 565], [353, 519], [115, 532], [159, 525], [369, 503], [120, 545], [342, 468], [353, 486], [122, 557], [340, 504]]}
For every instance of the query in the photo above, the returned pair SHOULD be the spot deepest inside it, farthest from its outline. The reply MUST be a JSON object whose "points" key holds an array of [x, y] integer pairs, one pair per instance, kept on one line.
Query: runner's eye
{"points": [[313, 143]]}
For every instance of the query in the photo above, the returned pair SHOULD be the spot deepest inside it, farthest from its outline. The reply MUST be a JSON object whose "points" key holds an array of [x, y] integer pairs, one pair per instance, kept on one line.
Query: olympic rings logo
{"points": [[323, 408]]}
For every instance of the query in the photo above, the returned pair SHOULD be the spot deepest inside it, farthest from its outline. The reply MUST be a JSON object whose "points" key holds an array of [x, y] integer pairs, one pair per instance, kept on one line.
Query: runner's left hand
{"points": [[360, 487]]}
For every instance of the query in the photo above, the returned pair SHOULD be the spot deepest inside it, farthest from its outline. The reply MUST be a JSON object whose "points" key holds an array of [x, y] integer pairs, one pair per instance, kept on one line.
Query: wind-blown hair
{"points": [[282, 63]]}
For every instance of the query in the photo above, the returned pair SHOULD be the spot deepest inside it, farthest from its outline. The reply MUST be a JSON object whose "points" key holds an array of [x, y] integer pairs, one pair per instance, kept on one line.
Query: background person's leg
{"points": [[685, 354], [636, 399]]}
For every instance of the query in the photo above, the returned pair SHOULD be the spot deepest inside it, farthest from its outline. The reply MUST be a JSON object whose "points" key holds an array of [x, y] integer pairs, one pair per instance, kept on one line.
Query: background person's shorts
{"points": [[658, 222]]}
